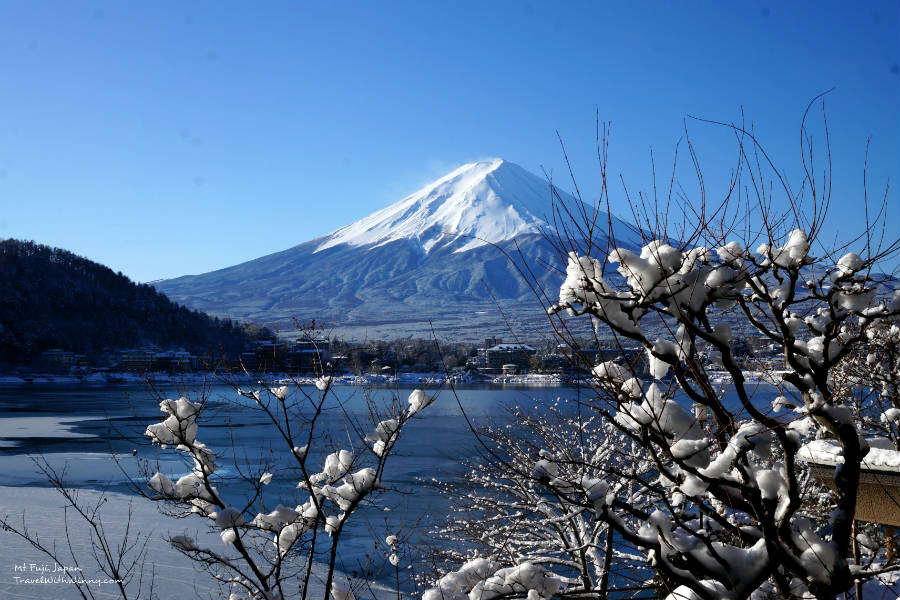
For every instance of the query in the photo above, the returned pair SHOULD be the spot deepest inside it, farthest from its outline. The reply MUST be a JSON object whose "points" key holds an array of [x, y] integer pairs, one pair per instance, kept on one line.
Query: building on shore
{"points": [[309, 356], [507, 357], [136, 361], [176, 361], [61, 361]]}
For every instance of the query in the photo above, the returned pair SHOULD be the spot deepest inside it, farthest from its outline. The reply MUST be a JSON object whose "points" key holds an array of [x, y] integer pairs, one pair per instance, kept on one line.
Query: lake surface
{"points": [[80, 429]]}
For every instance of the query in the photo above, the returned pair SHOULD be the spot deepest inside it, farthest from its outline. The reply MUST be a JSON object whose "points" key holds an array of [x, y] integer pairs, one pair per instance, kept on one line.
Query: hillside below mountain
{"points": [[51, 298]]}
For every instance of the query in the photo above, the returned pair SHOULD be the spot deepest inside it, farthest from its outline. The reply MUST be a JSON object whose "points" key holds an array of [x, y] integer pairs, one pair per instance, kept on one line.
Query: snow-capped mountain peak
{"points": [[409, 269], [487, 201]]}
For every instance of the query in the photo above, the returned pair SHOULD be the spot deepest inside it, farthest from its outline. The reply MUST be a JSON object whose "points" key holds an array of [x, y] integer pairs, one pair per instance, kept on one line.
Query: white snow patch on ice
{"points": [[33, 427]]}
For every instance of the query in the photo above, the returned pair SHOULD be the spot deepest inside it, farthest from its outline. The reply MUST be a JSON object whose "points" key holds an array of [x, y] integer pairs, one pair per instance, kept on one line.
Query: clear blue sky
{"points": [[167, 138]]}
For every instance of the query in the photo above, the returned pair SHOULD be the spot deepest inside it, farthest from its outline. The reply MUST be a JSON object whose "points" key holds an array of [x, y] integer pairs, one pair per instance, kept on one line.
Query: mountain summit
{"points": [[444, 257], [488, 201]]}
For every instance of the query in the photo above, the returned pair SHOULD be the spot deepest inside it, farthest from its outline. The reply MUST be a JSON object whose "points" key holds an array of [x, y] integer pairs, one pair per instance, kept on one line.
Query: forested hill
{"points": [[52, 298]]}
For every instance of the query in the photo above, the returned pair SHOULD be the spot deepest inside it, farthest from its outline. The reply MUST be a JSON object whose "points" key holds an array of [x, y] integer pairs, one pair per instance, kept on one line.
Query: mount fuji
{"points": [[446, 257], [487, 202]]}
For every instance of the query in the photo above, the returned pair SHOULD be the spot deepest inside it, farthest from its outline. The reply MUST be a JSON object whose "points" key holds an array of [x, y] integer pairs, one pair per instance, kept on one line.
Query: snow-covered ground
{"points": [[43, 510], [768, 377], [22, 574], [531, 379]]}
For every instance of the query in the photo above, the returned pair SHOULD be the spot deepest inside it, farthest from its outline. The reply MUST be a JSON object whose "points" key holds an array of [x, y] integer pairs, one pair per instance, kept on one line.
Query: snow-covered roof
{"points": [[511, 348], [829, 453]]}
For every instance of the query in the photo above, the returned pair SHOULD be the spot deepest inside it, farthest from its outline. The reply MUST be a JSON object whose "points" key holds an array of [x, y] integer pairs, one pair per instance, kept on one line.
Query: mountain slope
{"points": [[438, 254]]}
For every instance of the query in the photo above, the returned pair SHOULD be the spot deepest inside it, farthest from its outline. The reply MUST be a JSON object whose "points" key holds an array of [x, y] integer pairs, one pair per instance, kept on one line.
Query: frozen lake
{"points": [[82, 428]]}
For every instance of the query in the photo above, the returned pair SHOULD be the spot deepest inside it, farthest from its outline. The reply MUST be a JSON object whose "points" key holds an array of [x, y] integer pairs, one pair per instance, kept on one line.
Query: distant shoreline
{"points": [[402, 379]]}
